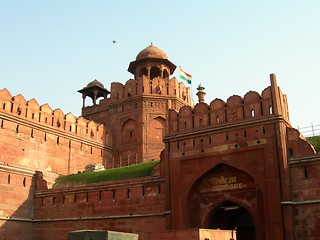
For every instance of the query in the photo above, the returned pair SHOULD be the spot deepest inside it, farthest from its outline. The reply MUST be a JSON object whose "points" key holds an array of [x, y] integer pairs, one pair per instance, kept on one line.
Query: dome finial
{"points": [[151, 43], [200, 88]]}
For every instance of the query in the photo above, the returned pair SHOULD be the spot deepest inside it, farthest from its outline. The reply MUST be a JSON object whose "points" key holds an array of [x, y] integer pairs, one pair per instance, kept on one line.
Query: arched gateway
{"points": [[226, 198], [231, 216]]}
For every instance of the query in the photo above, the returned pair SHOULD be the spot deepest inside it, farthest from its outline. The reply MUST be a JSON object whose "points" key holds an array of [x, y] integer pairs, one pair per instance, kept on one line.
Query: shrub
{"points": [[315, 141]]}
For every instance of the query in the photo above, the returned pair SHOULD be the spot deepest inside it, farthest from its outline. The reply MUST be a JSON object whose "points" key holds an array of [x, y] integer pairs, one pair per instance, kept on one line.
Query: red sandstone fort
{"points": [[236, 165]]}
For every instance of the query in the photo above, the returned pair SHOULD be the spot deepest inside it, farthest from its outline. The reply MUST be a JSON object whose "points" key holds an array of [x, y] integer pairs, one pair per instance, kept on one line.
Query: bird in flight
{"points": [[114, 41]]}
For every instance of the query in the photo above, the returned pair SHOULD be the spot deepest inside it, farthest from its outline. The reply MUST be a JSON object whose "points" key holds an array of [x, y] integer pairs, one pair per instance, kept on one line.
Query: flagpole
{"points": [[188, 78], [191, 95]]}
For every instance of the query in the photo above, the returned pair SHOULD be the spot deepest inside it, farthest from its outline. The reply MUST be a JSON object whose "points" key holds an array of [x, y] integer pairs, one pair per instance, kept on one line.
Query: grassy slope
{"points": [[128, 172], [315, 141]]}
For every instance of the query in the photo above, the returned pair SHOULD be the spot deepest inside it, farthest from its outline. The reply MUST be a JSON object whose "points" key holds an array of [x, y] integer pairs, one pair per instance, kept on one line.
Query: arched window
{"points": [[252, 112], [129, 131], [155, 72], [156, 129], [165, 74], [143, 72]]}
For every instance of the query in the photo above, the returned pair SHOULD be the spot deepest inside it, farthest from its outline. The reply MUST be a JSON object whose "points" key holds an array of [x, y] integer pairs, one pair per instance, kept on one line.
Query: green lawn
{"points": [[315, 141], [128, 172]]}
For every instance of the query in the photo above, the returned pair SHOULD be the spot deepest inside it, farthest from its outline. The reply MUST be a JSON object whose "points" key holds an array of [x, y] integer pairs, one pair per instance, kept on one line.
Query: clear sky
{"points": [[51, 49]]}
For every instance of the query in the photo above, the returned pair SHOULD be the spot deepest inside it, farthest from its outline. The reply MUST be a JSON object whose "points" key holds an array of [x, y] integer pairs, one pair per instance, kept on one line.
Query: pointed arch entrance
{"points": [[231, 216], [230, 199]]}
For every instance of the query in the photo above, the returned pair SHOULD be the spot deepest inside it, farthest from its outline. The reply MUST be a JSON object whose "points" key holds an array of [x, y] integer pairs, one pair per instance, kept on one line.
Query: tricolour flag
{"points": [[185, 76]]}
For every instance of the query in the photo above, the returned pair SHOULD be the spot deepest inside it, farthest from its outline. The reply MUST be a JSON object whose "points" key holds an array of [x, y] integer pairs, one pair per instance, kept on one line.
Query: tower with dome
{"points": [[135, 112]]}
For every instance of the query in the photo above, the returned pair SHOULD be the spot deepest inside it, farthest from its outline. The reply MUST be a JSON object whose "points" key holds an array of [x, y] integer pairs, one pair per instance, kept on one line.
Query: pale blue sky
{"points": [[51, 49]]}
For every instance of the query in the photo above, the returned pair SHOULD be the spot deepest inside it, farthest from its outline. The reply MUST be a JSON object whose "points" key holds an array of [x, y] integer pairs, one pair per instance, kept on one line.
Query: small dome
{"points": [[151, 52], [95, 83]]}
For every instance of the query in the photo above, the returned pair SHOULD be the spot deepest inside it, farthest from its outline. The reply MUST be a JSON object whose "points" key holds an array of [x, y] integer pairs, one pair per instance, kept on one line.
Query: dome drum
{"points": [[148, 60], [152, 69]]}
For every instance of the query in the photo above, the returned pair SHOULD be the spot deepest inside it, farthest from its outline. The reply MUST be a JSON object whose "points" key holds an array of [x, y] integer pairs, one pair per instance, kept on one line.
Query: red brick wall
{"points": [[36, 137], [134, 206], [306, 197], [17, 187], [16, 203]]}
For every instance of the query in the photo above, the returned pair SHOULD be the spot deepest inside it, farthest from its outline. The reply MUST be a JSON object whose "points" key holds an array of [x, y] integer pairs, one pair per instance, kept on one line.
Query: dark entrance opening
{"points": [[230, 216]]}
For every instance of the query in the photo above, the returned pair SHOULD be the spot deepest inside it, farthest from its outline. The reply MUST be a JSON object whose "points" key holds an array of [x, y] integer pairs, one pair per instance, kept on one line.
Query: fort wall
{"points": [[227, 125], [17, 186], [36, 137], [16, 202], [304, 167], [305, 196], [136, 205], [237, 109]]}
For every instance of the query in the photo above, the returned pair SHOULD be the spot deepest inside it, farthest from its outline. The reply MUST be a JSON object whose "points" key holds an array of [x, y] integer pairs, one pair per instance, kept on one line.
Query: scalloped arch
{"points": [[201, 107], [251, 97], [266, 93], [185, 111], [130, 82], [217, 103], [234, 100]]}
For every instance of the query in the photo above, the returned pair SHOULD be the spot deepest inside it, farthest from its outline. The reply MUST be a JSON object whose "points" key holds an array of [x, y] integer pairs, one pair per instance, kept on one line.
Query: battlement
{"points": [[252, 106], [145, 85], [18, 107], [131, 206]]}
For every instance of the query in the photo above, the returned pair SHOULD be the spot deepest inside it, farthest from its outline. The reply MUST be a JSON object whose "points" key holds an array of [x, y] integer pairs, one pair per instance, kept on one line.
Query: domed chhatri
{"points": [[151, 52], [151, 62], [95, 83], [94, 90]]}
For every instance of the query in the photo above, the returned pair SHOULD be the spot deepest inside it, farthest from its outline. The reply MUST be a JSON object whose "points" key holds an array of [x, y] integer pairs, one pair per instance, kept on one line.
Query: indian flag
{"points": [[185, 76]]}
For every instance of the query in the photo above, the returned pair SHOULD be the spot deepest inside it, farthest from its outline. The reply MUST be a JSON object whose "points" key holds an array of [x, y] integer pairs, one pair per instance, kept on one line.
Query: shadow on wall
{"points": [[17, 204]]}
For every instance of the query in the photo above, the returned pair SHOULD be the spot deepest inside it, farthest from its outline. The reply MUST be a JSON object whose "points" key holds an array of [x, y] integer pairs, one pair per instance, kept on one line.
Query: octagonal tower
{"points": [[135, 113]]}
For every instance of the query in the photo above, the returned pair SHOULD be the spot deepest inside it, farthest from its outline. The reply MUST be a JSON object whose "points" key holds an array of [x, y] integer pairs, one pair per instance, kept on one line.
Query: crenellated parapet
{"points": [[137, 203], [145, 86], [235, 110], [43, 139], [18, 107]]}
